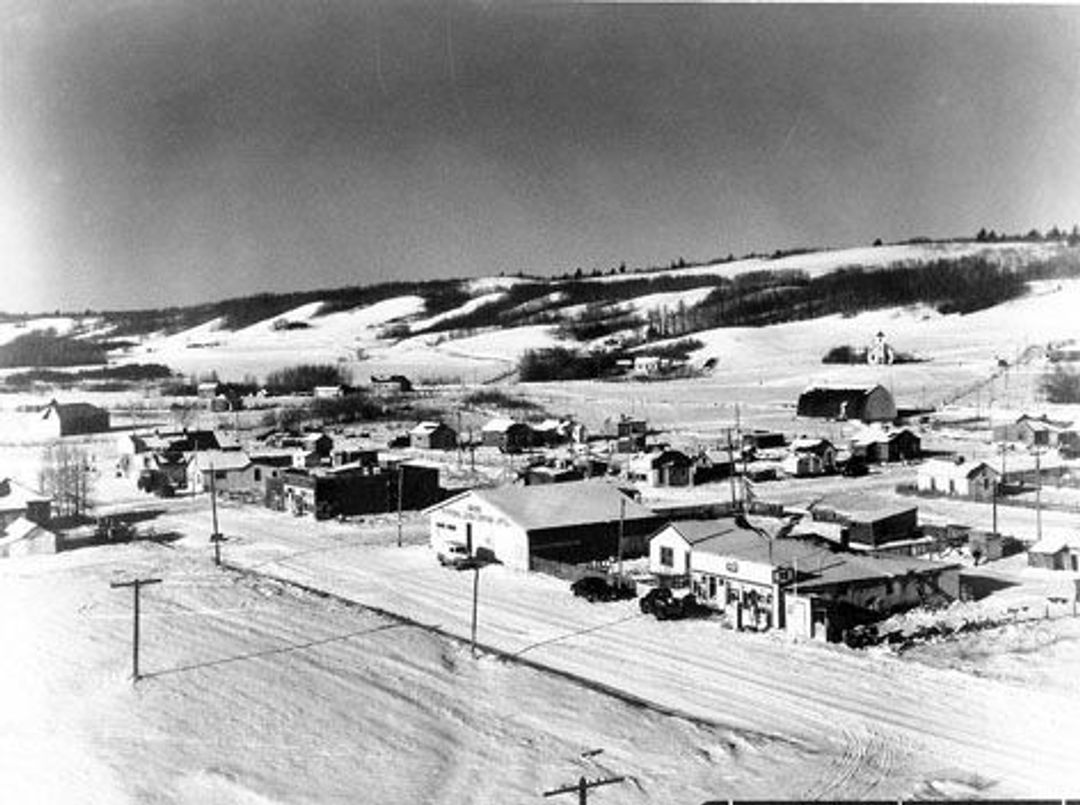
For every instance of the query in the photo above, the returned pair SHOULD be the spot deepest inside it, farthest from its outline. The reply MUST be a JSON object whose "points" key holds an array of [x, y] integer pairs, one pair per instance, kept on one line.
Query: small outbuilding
{"points": [[1055, 553], [508, 435], [875, 445], [23, 537], [433, 436], [661, 468]]}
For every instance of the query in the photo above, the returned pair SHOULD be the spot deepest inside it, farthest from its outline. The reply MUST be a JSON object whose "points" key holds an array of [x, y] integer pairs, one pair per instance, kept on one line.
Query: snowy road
{"points": [[880, 726]]}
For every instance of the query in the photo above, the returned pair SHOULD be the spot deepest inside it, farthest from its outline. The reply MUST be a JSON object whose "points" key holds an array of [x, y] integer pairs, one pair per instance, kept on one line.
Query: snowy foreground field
{"points": [[257, 691]]}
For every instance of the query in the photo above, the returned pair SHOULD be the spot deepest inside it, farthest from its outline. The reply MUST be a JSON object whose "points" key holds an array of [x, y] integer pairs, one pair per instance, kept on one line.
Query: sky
{"points": [[177, 151]]}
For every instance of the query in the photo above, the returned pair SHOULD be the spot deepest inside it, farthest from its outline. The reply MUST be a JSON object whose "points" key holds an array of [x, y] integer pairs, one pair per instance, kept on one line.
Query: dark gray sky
{"points": [[166, 152]]}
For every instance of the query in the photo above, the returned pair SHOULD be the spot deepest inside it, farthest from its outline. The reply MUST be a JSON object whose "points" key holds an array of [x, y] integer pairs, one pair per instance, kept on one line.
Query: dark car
{"points": [[656, 597], [599, 588], [855, 468], [678, 608]]}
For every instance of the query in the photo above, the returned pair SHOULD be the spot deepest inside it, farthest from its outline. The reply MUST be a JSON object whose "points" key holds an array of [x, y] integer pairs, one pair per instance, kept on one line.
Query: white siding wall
{"points": [[489, 528], [671, 539]]}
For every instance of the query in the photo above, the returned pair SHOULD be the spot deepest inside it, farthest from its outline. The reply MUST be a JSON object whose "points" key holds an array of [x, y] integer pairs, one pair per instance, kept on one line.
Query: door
{"points": [[468, 538]]}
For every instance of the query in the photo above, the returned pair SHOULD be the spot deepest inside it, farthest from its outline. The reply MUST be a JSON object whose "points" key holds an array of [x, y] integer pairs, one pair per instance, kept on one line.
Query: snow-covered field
{"points": [[258, 692]]}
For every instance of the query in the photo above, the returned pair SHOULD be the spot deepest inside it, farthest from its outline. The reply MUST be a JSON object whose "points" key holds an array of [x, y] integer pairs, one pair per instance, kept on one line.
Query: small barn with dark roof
{"points": [[867, 404], [571, 522], [70, 419]]}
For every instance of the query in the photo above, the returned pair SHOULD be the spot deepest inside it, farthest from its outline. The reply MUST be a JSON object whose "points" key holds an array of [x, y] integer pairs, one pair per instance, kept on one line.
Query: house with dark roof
{"points": [[867, 404], [572, 523], [390, 385], [70, 419]]}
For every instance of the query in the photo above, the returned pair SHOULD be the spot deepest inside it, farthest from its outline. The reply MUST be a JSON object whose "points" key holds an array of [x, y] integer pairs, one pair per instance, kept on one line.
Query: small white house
{"points": [[976, 479]]}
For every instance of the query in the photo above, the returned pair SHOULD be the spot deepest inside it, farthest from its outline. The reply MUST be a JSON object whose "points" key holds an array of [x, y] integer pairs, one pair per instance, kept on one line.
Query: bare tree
{"points": [[67, 475]]}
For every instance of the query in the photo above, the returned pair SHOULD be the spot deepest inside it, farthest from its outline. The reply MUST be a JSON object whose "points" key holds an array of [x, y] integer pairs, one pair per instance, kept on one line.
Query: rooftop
{"points": [[562, 505]]}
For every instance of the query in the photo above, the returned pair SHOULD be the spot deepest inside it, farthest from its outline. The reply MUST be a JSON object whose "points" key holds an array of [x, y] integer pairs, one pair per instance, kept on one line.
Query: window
{"points": [[219, 475], [258, 475], [667, 557]]}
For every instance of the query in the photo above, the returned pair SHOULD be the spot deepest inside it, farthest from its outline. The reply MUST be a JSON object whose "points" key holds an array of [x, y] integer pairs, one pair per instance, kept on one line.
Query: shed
{"points": [[868, 404], [1055, 553], [572, 523], [506, 434], [875, 445], [389, 385], [661, 468], [433, 436]]}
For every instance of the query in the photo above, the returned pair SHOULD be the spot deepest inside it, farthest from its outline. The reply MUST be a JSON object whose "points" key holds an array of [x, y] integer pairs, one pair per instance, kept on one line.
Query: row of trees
{"points": [[1053, 234], [42, 348]]}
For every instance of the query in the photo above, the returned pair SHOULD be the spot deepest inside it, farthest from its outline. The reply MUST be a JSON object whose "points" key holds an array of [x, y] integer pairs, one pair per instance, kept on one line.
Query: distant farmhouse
{"points": [[70, 419], [871, 404], [389, 385]]}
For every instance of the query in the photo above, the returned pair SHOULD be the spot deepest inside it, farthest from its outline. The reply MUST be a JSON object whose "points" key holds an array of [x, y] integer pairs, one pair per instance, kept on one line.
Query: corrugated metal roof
{"points": [[562, 505]]}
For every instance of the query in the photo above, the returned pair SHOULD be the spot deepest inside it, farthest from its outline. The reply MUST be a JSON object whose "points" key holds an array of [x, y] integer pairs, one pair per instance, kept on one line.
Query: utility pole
{"points": [[475, 598], [215, 536], [135, 585], [582, 788], [1038, 497], [622, 519], [731, 473], [400, 490]]}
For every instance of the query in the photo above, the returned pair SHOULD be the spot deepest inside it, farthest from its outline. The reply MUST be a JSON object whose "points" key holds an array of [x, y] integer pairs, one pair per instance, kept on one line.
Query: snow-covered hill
{"points": [[498, 318]]}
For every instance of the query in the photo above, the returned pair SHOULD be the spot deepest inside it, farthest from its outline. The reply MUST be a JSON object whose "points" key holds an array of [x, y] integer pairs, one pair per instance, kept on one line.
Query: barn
{"points": [[71, 419], [867, 404], [571, 523]]}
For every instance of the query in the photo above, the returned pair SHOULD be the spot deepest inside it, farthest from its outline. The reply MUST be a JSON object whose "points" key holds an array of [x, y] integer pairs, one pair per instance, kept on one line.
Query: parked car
{"points": [[656, 597], [855, 468], [678, 608], [455, 554], [599, 588]]}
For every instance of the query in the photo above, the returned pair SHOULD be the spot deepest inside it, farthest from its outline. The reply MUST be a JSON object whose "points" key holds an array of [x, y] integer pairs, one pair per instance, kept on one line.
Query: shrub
{"points": [[46, 348], [558, 363], [1062, 385], [499, 399], [304, 378]]}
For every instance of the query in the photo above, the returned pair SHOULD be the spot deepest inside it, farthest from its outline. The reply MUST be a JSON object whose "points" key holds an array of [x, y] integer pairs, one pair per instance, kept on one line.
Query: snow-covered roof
{"points": [[18, 529], [221, 460], [560, 505], [14, 496], [499, 425], [944, 468]]}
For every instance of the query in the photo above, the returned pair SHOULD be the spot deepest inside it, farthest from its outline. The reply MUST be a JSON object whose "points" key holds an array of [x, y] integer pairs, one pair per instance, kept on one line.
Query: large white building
{"points": [[570, 522]]}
